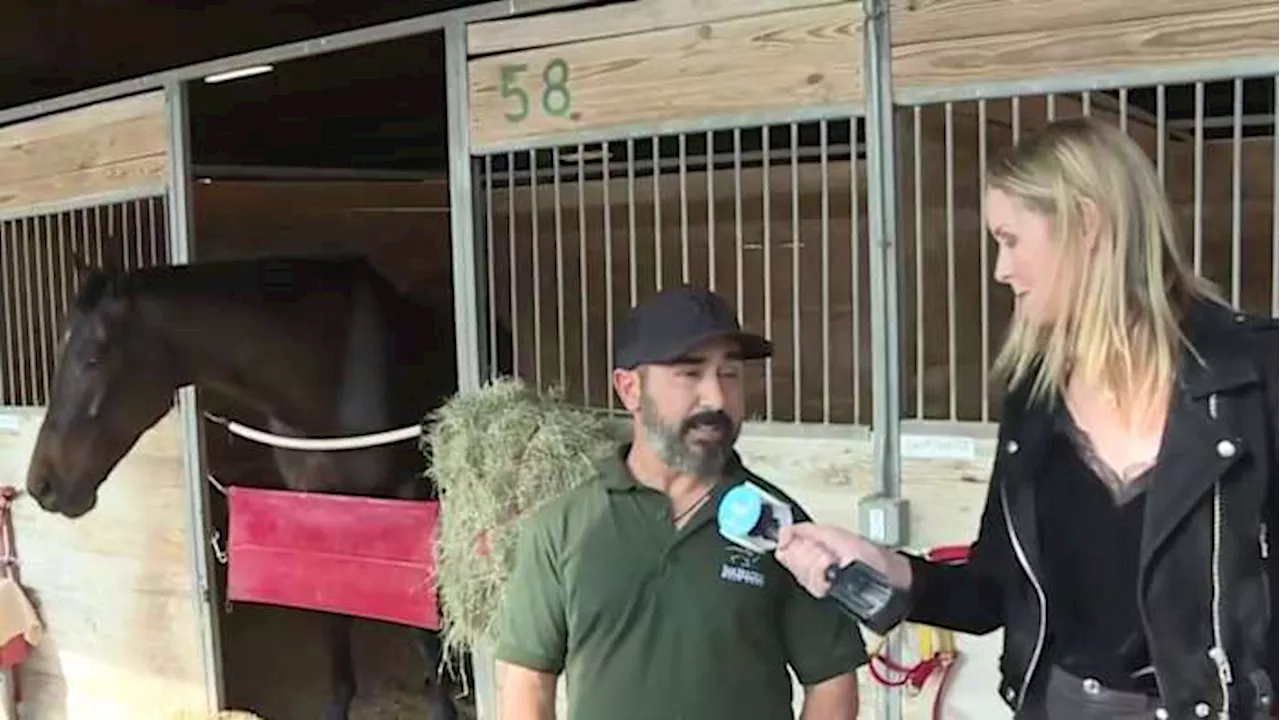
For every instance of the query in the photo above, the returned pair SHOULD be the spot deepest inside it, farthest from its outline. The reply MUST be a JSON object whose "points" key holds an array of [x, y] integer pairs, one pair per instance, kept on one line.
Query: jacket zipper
{"points": [[1042, 605]]}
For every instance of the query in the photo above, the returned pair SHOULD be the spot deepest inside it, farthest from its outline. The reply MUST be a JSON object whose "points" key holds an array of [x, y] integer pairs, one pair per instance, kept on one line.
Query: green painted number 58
{"points": [[556, 100]]}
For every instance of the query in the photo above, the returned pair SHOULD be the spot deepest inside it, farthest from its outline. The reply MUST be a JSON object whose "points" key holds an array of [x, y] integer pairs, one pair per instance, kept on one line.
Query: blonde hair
{"points": [[1119, 328]]}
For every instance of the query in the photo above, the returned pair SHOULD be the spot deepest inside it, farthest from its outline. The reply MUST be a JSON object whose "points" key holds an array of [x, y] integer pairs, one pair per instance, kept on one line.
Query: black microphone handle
{"points": [[866, 594]]}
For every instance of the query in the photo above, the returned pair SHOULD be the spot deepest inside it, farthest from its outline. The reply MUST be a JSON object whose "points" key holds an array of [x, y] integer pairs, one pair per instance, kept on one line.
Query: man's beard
{"points": [[701, 458]]}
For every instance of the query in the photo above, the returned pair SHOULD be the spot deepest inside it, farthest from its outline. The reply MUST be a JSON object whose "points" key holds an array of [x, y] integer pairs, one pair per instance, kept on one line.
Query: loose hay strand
{"points": [[497, 455]]}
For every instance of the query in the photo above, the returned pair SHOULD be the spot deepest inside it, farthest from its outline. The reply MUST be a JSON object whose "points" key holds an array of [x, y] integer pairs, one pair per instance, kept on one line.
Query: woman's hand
{"points": [[807, 550]]}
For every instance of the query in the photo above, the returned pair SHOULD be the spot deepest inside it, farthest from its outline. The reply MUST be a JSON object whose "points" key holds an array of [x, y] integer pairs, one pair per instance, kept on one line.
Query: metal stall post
{"points": [[193, 445], [882, 516], [468, 293]]}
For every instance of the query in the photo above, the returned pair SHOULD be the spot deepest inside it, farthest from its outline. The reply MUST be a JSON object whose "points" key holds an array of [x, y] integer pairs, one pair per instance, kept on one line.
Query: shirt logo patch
{"points": [[741, 575], [740, 567]]}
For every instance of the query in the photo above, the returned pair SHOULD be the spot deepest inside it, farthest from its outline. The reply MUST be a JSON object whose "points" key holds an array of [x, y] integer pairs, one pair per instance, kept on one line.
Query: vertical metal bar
{"points": [[64, 288], [855, 231], [766, 202], [1198, 183], [467, 257], [97, 235], [491, 281], [883, 209], [561, 333], [826, 271], [194, 457], [711, 211], [43, 298], [28, 250], [153, 232], [950, 142], [1237, 115], [632, 252], [1275, 196], [921, 290], [737, 223], [1015, 109], [1085, 105], [535, 283], [130, 231], [606, 164], [582, 274], [512, 263], [984, 261], [1124, 110], [684, 210], [8, 294], [1050, 107], [560, 270], [467, 254], [1160, 133], [797, 394], [657, 214]]}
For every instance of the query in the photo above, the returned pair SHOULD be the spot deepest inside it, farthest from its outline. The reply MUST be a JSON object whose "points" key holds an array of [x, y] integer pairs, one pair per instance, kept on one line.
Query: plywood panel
{"points": [[768, 62], [114, 588], [1168, 39], [928, 20], [99, 149], [624, 18]]}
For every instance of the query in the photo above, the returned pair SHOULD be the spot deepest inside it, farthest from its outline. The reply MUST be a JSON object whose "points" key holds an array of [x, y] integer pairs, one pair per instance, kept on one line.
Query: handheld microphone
{"points": [[751, 517]]}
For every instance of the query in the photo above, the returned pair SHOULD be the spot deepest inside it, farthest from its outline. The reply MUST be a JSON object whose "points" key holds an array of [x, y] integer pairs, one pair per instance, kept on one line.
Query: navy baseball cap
{"points": [[668, 325]]}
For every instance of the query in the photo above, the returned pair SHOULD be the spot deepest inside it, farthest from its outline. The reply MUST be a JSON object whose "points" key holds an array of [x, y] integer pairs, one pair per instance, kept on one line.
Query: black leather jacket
{"points": [[1207, 573]]}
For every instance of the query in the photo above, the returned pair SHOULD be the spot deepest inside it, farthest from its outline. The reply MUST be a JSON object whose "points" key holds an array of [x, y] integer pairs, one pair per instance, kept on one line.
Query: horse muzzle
{"points": [[41, 487]]}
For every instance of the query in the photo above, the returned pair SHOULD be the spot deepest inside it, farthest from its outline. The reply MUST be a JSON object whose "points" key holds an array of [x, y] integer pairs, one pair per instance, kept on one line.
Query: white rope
{"points": [[356, 442]]}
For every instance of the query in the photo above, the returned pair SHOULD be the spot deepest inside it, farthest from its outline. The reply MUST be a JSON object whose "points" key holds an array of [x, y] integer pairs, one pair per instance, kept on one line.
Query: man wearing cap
{"points": [[625, 584]]}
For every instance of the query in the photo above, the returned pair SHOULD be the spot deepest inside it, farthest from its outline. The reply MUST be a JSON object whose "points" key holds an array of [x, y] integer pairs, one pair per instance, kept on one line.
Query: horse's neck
{"points": [[280, 369]]}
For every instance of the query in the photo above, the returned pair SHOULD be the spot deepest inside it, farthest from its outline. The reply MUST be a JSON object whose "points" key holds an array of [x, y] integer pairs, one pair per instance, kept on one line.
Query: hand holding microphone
{"points": [[868, 581]]}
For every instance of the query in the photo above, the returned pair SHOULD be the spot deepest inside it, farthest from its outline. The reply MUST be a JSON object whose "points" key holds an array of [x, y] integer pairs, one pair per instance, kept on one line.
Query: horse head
{"points": [[113, 380]]}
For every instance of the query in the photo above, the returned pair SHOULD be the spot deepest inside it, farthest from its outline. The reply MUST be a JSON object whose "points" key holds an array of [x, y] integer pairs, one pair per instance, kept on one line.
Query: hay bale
{"points": [[497, 455]]}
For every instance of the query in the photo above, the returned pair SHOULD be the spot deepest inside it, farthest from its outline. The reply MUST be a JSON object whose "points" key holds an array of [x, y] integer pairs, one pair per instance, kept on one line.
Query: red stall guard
{"points": [[366, 557]]}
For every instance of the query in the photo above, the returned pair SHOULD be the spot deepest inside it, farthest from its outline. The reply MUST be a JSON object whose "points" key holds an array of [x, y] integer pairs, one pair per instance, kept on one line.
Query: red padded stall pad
{"points": [[366, 557]]}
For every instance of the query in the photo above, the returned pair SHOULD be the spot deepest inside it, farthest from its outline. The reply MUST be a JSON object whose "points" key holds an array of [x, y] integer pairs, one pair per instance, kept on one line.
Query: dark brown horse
{"points": [[320, 347]]}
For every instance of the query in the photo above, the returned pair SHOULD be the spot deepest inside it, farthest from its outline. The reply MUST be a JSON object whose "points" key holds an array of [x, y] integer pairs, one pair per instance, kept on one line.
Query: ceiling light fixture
{"points": [[238, 73]]}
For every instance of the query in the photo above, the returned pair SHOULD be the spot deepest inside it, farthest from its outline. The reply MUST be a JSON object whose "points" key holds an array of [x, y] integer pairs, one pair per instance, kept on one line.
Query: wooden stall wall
{"points": [[655, 61], [116, 588], [945, 43], [79, 154]]}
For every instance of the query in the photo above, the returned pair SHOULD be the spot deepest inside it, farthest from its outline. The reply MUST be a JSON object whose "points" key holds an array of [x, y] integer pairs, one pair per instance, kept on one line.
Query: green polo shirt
{"points": [[652, 623]]}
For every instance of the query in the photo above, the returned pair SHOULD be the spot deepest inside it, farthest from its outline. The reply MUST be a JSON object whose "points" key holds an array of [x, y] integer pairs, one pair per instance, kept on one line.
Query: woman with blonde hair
{"points": [[1125, 546]]}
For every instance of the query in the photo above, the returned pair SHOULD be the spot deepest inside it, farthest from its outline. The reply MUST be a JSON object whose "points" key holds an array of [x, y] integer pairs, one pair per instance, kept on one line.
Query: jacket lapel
{"points": [[1198, 448]]}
